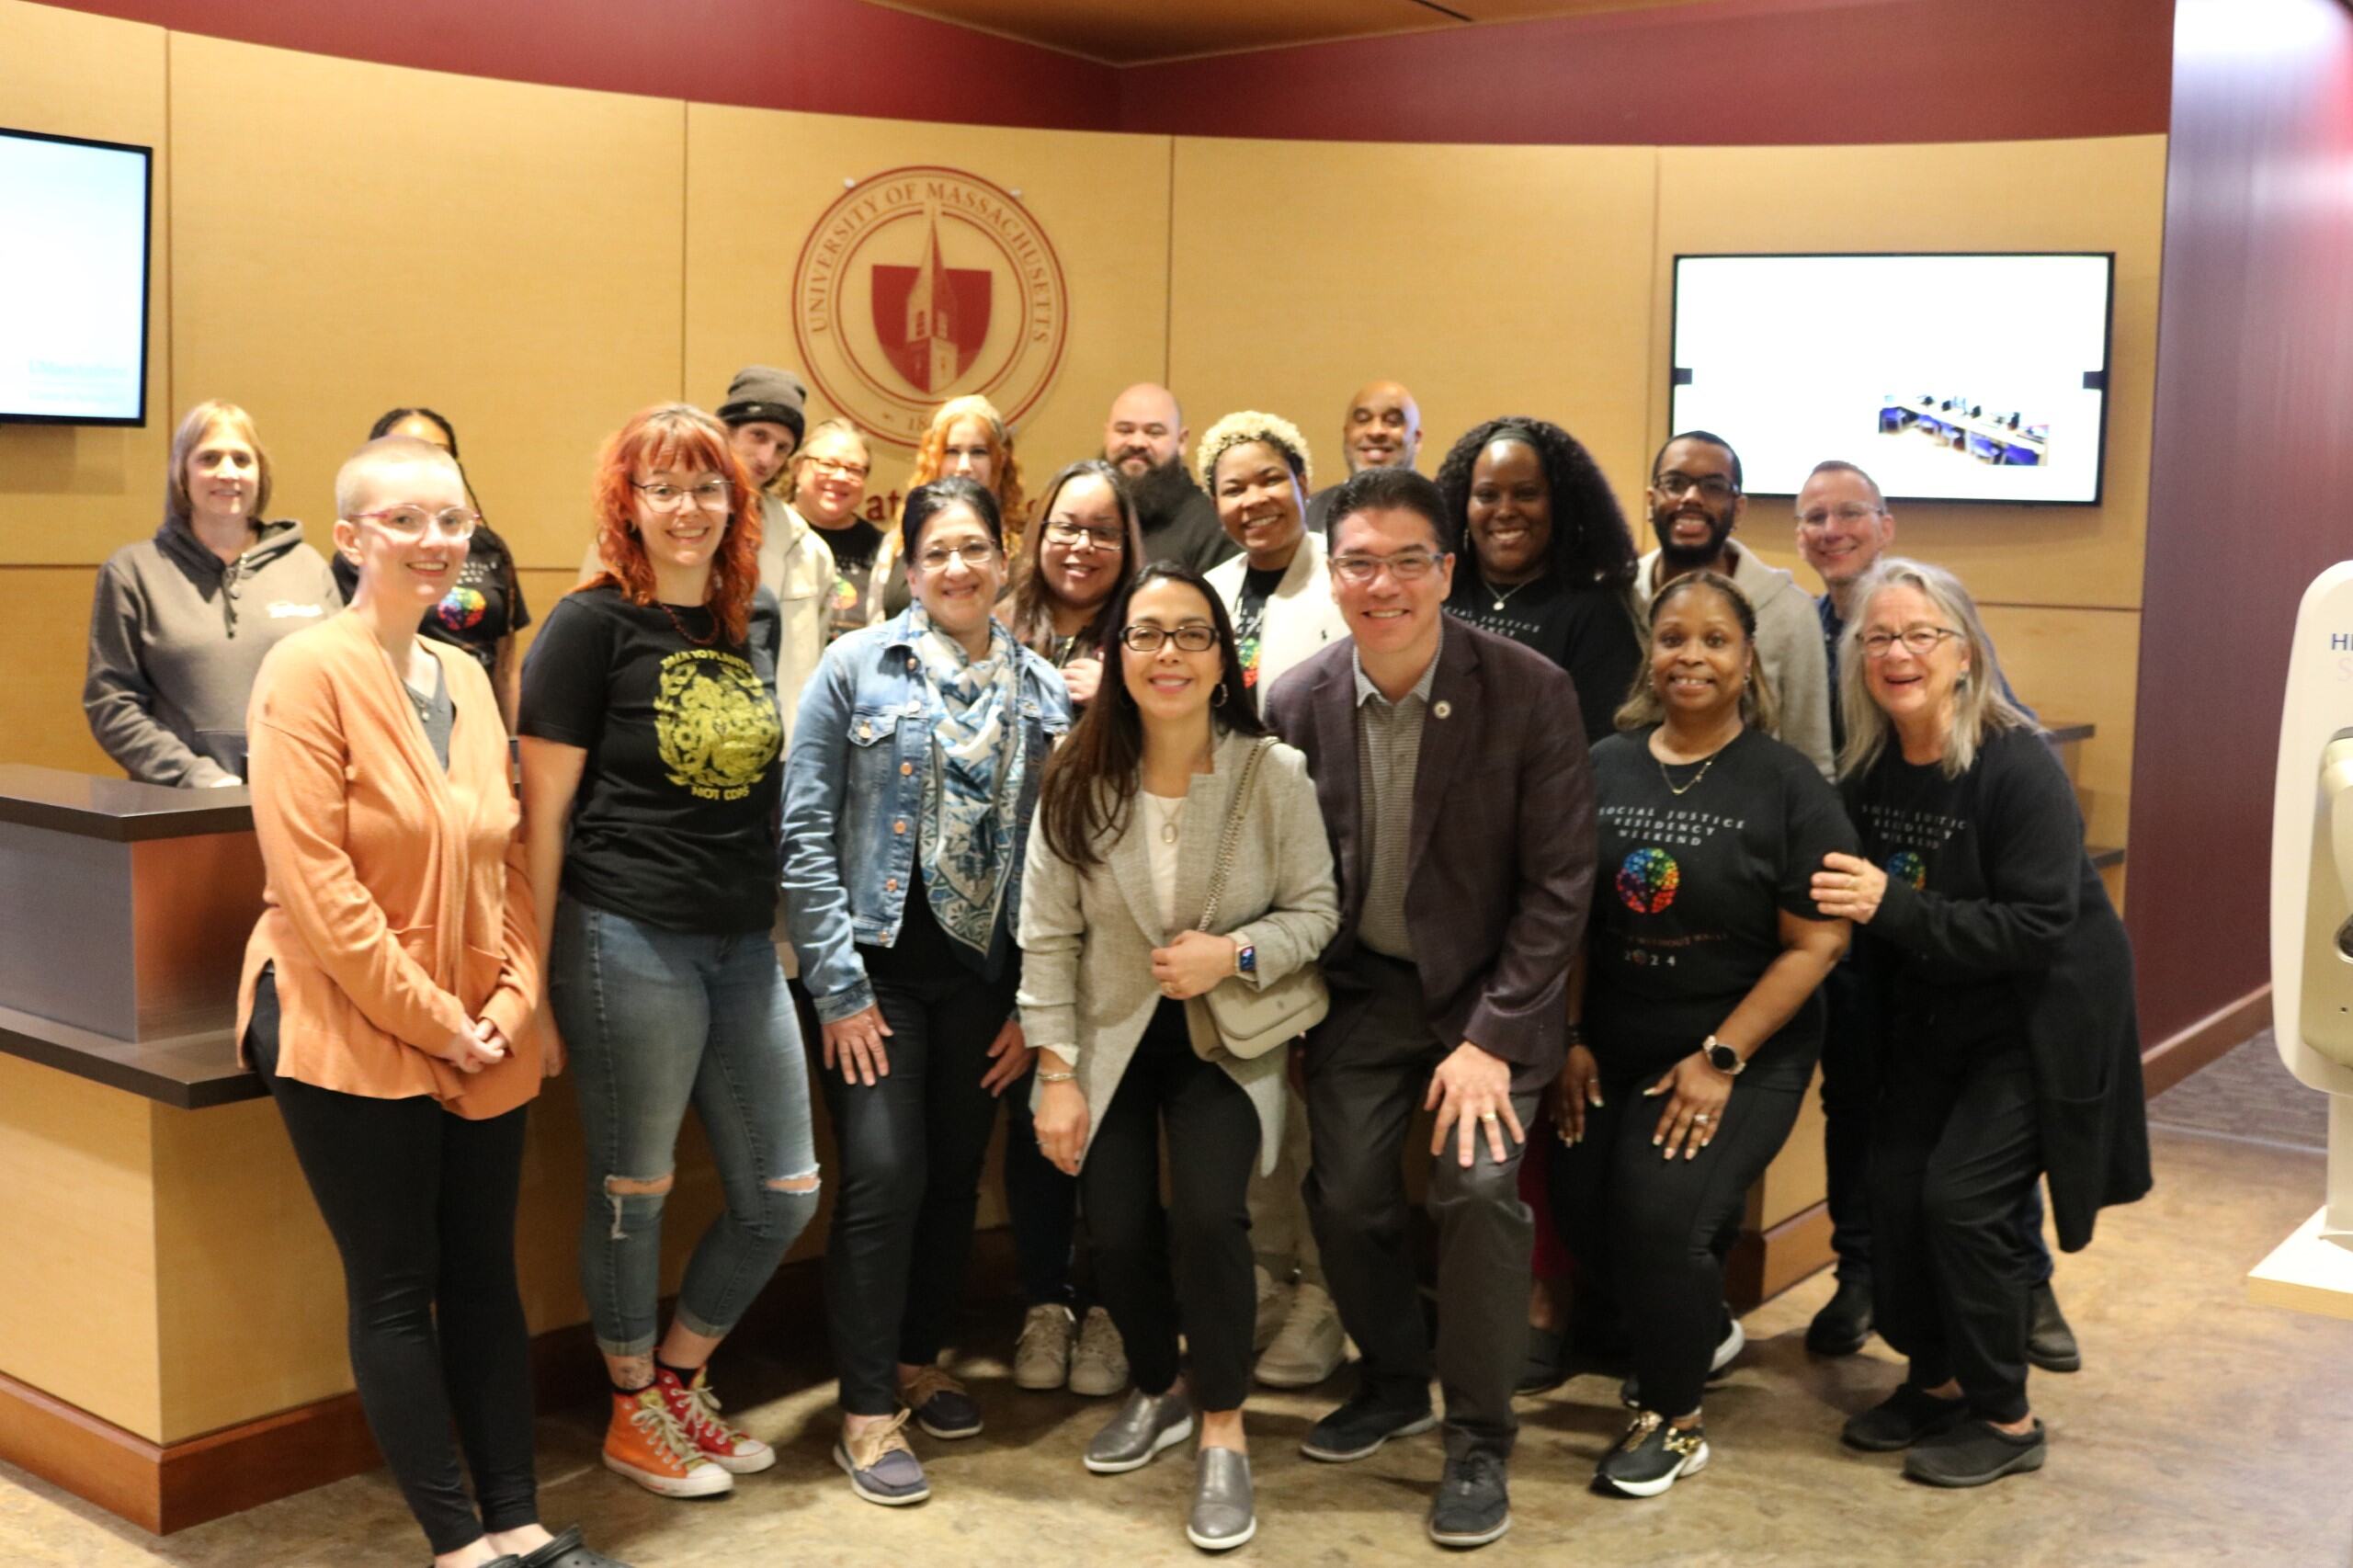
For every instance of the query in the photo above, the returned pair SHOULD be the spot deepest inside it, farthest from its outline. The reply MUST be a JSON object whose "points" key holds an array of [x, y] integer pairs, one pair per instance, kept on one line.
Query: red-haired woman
{"points": [[967, 438], [650, 730]]}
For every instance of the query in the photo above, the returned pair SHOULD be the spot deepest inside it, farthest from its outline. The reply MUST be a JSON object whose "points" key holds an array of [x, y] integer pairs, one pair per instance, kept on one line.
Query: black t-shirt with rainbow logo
{"points": [[1696, 863]]}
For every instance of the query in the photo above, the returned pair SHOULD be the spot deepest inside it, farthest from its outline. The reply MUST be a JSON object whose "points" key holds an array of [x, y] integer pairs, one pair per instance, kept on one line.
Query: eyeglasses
{"points": [[1193, 637], [1068, 535], [1918, 640], [1714, 486], [1852, 512], [410, 522], [1406, 567], [838, 469], [711, 495], [974, 553]]}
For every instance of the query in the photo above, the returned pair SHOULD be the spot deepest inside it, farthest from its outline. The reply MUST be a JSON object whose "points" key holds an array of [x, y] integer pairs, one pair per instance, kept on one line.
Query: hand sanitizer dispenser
{"points": [[2311, 932]]}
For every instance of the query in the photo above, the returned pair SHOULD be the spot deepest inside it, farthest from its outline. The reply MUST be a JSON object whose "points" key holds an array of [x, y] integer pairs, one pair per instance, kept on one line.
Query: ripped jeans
{"points": [[654, 1019]]}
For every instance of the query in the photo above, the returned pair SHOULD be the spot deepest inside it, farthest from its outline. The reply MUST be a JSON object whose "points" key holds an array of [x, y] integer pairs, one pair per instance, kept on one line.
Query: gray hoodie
{"points": [[176, 635]]}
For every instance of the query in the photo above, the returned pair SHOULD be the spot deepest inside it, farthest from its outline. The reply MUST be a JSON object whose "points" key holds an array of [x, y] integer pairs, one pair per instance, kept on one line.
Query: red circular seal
{"points": [[926, 283]]}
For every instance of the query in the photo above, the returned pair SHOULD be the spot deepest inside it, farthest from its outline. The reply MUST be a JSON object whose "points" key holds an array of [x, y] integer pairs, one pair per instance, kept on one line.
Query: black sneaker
{"points": [[2050, 1342], [1842, 1325], [1902, 1419], [1652, 1457], [1734, 1340], [1547, 1366], [1472, 1507], [1973, 1453], [1359, 1429]]}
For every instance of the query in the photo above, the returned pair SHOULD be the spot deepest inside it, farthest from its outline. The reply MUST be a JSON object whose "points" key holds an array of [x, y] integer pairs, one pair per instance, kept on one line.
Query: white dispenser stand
{"points": [[2312, 934]]}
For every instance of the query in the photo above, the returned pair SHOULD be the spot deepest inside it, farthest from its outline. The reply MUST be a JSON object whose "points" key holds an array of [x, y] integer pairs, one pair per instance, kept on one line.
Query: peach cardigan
{"points": [[397, 909]]}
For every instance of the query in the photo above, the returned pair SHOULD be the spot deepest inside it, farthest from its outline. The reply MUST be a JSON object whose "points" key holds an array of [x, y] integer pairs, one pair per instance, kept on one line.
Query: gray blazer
{"points": [[1088, 935]]}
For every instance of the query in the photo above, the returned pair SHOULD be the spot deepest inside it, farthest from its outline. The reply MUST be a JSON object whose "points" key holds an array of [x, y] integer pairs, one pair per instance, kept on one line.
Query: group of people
{"points": [[1194, 810]]}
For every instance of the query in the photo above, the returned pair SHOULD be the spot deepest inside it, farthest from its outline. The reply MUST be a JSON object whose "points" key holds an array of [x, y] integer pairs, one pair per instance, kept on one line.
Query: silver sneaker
{"points": [[1145, 1425], [1041, 1356], [1224, 1512], [1098, 1368]]}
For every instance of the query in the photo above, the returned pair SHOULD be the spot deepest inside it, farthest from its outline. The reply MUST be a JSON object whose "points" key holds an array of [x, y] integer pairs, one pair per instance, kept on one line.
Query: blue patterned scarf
{"points": [[972, 787]]}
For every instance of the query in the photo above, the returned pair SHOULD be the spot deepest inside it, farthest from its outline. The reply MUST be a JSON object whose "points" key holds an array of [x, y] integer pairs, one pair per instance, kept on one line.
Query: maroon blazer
{"points": [[1499, 878]]}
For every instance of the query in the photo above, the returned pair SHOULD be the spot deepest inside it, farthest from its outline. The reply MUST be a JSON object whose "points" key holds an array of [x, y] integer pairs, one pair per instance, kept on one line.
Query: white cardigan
{"points": [[1302, 614]]}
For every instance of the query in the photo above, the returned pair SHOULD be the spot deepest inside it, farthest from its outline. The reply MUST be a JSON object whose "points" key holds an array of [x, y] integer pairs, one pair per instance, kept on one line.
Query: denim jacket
{"points": [[853, 793]]}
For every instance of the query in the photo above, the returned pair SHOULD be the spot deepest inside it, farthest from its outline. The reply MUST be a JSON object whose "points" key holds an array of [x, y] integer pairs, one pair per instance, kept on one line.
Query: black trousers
{"points": [[1204, 1231], [1956, 1147], [421, 1205], [1657, 1229], [910, 1148], [1367, 1069], [1850, 1088], [1041, 1205]]}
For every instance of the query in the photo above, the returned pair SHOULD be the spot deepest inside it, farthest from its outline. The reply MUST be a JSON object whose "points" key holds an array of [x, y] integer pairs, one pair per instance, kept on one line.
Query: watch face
{"points": [[1246, 960], [1723, 1059]]}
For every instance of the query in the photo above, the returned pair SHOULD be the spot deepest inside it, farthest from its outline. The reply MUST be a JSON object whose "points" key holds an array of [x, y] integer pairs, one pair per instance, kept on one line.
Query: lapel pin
{"points": [[1442, 709]]}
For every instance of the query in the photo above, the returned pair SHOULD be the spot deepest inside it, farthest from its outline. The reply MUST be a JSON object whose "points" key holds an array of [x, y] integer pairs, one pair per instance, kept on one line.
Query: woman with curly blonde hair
{"points": [[968, 438]]}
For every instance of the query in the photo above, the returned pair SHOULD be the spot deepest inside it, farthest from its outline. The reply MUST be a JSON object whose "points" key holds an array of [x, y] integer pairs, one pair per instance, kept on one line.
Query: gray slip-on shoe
{"points": [[1224, 1508], [1146, 1423]]}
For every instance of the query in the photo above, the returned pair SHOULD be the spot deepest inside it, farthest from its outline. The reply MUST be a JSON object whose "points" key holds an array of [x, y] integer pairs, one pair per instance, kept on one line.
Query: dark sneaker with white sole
{"points": [[942, 1405], [1652, 1457], [2050, 1342], [1973, 1453], [1902, 1419], [1734, 1341], [1473, 1504], [1358, 1428], [880, 1467]]}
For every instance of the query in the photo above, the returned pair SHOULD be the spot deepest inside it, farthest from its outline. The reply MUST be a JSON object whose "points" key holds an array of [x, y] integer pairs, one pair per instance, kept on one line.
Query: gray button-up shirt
{"points": [[1389, 752]]}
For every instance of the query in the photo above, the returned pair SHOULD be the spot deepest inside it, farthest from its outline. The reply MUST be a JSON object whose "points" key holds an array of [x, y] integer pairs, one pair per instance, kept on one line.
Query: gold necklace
{"points": [[1690, 784]]}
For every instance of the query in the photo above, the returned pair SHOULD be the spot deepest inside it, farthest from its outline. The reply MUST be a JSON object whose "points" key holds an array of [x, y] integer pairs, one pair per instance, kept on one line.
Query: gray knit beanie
{"points": [[762, 391]]}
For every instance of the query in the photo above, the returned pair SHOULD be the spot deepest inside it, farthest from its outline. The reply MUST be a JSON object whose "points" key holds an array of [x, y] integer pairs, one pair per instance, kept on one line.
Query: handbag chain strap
{"points": [[1232, 838]]}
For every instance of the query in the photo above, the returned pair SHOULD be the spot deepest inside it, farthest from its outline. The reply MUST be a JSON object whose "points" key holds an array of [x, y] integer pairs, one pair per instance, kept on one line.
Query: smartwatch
{"points": [[1721, 1057], [1245, 960]]}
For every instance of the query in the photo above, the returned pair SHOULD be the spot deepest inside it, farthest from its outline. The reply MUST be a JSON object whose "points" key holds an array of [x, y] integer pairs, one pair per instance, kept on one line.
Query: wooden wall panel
{"points": [[69, 494], [355, 237]]}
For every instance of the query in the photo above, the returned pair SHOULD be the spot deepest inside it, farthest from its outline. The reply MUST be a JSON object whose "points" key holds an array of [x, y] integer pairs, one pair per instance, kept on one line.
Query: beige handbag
{"points": [[1253, 1019]]}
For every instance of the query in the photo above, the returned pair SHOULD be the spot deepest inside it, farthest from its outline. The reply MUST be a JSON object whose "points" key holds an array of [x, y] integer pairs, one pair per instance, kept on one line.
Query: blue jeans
{"points": [[655, 1019]]}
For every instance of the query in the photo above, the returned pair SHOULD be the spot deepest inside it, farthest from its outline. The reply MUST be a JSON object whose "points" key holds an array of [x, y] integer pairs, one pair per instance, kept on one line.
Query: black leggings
{"points": [[1661, 1227], [1213, 1146], [421, 1204]]}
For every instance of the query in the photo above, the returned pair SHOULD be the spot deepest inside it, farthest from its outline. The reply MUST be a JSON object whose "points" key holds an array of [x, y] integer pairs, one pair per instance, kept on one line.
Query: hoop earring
{"points": [[1217, 698]]}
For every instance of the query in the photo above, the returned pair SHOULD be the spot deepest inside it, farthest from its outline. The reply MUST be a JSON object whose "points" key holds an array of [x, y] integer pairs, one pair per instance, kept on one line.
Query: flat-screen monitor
{"points": [[1980, 377], [74, 257]]}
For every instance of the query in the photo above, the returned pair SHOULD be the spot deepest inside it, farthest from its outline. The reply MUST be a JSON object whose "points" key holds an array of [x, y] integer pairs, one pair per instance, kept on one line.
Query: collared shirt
{"points": [[1389, 752]]}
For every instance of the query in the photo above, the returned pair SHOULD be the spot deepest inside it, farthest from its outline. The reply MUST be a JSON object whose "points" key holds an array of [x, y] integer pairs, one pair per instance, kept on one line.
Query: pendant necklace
{"points": [[1693, 782], [1504, 596]]}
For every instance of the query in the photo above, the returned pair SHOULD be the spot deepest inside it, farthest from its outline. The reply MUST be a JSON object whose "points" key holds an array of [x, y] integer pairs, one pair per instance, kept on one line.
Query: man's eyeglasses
{"points": [[1918, 640], [1193, 637], [1852, 514], [711, 495], [1406, 567], [838, 469], [410, 522], [1713, 486]]}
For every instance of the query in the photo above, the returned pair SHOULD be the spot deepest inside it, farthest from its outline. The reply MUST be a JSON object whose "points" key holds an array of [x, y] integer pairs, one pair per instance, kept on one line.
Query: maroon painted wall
{"points": [[1729, 72], [1737, 73], [2252, 478]]}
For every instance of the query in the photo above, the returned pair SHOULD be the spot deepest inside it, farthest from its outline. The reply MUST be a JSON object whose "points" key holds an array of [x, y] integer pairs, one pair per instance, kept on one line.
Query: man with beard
{"points": [[1383, 429], [1696, 502], [1145, 439]]}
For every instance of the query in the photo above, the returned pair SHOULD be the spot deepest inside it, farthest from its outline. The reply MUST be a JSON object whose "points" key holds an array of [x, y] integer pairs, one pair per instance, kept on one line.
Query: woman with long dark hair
{"points": [[1168, 793], [651, 747], [913, 778]]}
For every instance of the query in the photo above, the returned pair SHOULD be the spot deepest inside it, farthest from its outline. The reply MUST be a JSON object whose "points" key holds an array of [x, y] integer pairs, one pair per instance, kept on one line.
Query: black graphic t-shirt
{"points": [[485, 606], [848, 606], [676, 821], [1588, 631], [1250, 619], [1688, 891]]}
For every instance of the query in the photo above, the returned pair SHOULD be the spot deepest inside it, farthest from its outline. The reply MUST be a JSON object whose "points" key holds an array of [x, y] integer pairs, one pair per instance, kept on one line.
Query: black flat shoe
{"points": [[564, 1551], [1845, 1322], [2050, 1342], [1973, 1453]]}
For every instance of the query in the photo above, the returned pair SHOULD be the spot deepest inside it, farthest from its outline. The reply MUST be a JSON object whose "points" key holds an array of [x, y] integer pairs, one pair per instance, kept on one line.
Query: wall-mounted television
{"points": [[73, 259], [1948, 377]]}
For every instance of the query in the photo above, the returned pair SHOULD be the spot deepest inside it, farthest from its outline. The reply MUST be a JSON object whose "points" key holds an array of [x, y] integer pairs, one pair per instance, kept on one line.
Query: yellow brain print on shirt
{"points": [[714, 725]]}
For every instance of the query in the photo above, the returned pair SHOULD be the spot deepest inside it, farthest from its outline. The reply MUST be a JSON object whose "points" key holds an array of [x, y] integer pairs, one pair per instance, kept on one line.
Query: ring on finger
{"points": [[1699, 1116]]}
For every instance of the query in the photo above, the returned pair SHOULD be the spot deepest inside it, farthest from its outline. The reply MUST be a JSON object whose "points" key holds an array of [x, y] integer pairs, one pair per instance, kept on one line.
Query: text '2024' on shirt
{"points": [[1688, 892], [675, 822]]}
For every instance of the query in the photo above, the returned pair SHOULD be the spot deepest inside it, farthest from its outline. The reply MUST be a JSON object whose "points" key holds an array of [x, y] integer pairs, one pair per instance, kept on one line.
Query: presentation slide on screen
{"points": [[73, 279], [1977, 378]]}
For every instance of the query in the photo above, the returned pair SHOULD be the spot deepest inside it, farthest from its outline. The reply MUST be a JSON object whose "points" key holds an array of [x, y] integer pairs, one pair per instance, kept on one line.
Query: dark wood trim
{"points": [[73, 1450], [189, 1072], [1765, 1263], [2171, 1060]]}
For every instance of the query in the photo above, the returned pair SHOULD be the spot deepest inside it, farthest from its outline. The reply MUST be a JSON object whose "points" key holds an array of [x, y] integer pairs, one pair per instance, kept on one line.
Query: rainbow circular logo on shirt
{"points": [[1904, 866], [1646, 883], [461, 609]]}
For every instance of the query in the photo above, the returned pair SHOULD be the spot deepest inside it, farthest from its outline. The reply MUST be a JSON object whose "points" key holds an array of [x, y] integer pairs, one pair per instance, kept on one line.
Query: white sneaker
{"points": [[1041, 1357], [1099, 1365], [1274, 1306], [1308, 1348]]}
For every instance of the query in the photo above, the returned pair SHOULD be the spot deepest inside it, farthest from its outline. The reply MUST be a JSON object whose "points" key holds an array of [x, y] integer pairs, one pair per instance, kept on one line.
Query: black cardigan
{"points": [[2017, 903]]}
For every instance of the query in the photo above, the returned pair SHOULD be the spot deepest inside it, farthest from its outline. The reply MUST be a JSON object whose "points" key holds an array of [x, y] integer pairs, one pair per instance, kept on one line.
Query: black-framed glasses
{"points": [[1193, 637], [1069, 534], [711, 494], [1713, 486], [1406, 567], [1918, 640]]}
